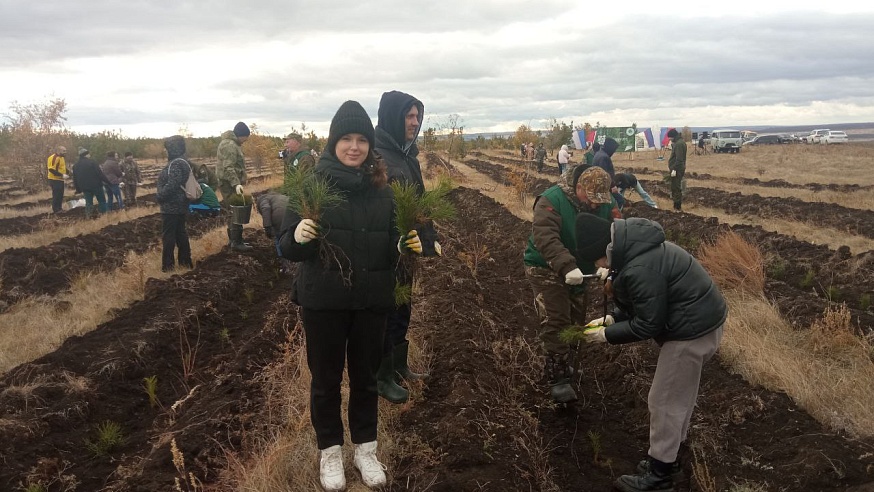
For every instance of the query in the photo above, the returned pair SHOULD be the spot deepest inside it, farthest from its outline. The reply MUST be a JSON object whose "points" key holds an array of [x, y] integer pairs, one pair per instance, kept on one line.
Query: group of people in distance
{"points": [[103, 183], [349, 314]]}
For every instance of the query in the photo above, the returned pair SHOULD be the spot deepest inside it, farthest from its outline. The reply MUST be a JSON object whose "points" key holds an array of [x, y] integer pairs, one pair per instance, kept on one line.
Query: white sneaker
{"points": [[372, 471], [331, 469]]}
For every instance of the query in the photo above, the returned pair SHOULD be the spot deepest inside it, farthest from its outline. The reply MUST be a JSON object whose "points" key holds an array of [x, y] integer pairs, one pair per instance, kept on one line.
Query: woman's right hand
{"points": [[306, 231]]}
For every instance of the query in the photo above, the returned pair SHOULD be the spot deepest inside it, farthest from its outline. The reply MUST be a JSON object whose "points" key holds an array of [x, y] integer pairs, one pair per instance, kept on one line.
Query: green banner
{"points": [[624, 135]]}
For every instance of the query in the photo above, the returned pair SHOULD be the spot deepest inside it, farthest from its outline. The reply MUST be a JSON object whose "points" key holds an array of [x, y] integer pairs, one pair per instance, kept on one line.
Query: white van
{"points": [[726, 140]]}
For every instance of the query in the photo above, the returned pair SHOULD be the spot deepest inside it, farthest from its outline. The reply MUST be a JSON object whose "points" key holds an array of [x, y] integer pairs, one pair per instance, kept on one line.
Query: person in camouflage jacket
{"points": [[231, 174], [130, 173], [555, 274]]}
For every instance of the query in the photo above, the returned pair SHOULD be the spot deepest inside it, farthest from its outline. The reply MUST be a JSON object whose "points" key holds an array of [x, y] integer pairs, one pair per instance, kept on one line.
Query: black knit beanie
{"points": [[673, 133], [350, 118], [241, 130], [593, 236]]}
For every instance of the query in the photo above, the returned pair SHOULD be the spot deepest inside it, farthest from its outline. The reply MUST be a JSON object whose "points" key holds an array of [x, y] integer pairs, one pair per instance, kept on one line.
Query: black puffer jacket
{"points": [[400, 156], [362, 227], [171, 195], [661, 291], [87, 176]]}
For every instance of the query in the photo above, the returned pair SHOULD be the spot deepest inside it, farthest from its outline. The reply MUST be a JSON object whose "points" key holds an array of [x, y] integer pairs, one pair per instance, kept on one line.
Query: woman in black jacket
{"points": [[661, 292], [89, 180], [344, 300], [174, 205]]}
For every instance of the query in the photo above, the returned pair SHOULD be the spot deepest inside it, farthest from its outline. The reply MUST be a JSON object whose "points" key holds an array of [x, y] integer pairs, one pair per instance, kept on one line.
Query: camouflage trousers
{"points": [[559, 305]]}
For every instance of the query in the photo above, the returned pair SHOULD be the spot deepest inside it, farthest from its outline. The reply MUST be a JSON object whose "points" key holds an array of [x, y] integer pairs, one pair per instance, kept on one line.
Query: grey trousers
{"points": [[674, 392]]}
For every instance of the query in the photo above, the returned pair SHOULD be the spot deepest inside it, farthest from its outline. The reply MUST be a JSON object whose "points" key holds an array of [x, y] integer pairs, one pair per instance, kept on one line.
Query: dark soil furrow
{"points": [[850, 220], [477, 315], [47, 270], [205, 335]]}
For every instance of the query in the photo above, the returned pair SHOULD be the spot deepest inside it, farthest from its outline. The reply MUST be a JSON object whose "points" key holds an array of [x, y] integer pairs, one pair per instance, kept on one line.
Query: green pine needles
{"points": [[412, 209], [309, 193]]}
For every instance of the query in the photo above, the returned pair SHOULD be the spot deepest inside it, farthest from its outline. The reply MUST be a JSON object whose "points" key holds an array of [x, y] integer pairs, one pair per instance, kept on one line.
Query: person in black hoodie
{"points": [[400, 119], [89, 180], [662, 293], [174, 205], [604, 159], [344, 317]]}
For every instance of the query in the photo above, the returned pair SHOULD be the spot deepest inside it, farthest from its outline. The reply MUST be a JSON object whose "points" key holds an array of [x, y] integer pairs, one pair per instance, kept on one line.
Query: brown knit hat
{"points": [[350, 118]]}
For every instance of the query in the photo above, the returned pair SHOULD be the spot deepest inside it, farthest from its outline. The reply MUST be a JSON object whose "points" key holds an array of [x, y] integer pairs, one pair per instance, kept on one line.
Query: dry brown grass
{"points": [[503, 194], [803, 231], [731, 261], [827, 370], [64, 229], [859, 199], [37, 326], [286, 456], [8, 213]]}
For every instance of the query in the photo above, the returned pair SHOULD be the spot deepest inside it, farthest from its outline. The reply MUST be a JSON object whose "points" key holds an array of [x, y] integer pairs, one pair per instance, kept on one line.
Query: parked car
{"points": [[834, 137], [765, 140], [725, 140], [815, 135]]}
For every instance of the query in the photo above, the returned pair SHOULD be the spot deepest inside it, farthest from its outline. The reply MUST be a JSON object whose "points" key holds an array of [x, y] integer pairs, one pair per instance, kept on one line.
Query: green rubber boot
{"points": [[386, 385], [399, 355]]}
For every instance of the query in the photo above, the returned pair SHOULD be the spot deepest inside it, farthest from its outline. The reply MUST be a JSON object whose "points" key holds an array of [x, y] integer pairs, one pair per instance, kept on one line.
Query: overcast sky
{"points": [[148, 67]]}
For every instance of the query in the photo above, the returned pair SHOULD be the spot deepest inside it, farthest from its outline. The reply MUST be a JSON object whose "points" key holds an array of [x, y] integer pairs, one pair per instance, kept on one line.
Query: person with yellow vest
{"points": [[57, 172]]}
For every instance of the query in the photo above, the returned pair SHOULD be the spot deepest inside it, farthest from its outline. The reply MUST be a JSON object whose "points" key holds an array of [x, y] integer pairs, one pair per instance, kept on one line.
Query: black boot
{"points": [[386, 385], [235, 237], [678, 206], [558, 374], [656, 478], [399, 355]]}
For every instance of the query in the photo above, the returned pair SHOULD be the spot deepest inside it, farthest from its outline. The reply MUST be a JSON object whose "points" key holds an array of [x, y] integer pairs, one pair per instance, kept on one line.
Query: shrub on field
{"points": [[734, 263], [34, 132]]}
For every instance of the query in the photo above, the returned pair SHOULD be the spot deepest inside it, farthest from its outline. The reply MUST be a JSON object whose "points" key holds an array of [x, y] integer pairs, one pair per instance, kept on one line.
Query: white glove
{"points": [[438, 249], [239, 189], [306, 230], [605, 321], [574, 277], [65, 176], [120, 183], [603, 273], [674, 173], [595, 335], [139, 184], [411, 241]]}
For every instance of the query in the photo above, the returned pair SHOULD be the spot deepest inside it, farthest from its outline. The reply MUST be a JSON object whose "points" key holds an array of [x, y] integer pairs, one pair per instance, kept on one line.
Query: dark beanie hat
{"points": [[673, 132], [593, 236], [241, 130], [350, 118]]}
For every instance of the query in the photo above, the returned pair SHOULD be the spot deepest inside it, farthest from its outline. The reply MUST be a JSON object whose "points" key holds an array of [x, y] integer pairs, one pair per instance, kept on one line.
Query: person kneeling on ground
{"points": [[662, 293], [628, 181], [208, 205]]}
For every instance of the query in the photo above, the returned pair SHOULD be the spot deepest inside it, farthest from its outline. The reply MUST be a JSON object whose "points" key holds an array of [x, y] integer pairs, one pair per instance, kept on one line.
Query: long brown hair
{"points": [[375, 167]]}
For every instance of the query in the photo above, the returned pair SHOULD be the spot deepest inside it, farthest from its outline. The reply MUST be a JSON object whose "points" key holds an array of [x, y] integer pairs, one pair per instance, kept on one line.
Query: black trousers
{"points": [[332, 337], [57, 194], [174, 236]]}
